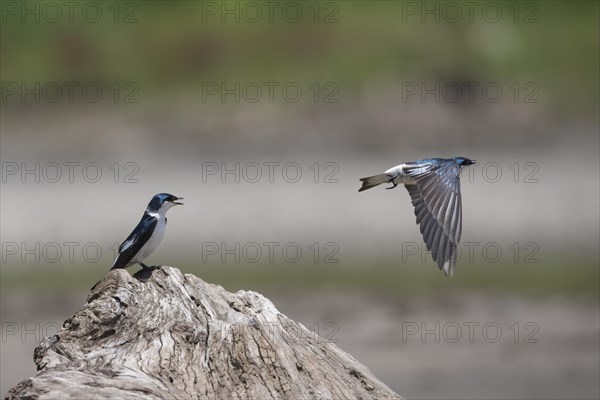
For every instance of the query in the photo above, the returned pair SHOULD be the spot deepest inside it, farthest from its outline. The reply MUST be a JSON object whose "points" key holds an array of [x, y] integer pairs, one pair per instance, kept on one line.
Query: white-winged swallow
{"points": [[434, 188], [147, 235]]}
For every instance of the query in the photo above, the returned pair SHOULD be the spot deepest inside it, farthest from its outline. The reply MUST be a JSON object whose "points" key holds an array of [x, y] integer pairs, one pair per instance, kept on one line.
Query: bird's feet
{"points": [[147, 268], [392, 187]]}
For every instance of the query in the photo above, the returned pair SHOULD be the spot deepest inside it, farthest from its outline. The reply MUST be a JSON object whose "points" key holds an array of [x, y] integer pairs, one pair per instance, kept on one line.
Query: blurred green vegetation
{"points": [[174, 46], [571, 277]]}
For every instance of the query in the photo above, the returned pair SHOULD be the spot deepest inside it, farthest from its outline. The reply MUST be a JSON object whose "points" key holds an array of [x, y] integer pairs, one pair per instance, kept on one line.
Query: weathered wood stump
{"points": [[164, 335]]}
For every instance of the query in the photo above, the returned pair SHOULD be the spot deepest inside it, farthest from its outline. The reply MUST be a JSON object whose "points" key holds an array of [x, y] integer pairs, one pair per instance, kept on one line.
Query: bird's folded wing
{"points": [[437, 201], [135, 241]]}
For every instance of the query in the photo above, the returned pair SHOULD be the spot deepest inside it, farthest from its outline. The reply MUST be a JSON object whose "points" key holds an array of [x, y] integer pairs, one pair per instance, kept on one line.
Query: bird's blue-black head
{"points": [[463, 161], [163, 201]]}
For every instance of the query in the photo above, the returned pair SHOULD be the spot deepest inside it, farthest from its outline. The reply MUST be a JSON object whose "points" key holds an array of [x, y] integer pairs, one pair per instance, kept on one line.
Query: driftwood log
{"points": [[161, 334]]}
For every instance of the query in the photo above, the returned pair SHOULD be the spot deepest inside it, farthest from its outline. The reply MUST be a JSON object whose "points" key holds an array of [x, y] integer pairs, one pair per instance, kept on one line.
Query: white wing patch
{"points": [[127, 244]]}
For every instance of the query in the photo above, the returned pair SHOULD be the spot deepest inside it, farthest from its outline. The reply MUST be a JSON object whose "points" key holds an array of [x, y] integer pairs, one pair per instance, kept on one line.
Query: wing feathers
{"points": [[437, 201], [135, 241]]}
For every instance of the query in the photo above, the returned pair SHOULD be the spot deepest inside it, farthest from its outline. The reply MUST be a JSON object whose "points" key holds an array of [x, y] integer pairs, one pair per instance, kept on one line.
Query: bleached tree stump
{"points": [[165, 335]]}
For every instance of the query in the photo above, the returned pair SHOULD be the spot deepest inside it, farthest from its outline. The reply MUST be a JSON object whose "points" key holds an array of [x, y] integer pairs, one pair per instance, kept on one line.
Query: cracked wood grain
{"points": [[161, 334]]}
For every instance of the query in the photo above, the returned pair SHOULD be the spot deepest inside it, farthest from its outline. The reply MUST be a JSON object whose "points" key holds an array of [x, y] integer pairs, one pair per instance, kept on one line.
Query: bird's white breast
{"points": [[154, 241]]}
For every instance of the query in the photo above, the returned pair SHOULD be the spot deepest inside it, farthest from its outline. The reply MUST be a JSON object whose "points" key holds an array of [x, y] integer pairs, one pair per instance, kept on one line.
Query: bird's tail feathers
{"points": [[372, 181], [119, 263], [115, 266]]}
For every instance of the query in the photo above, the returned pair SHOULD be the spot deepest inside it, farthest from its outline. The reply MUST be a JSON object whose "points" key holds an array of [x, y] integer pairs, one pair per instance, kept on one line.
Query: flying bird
{"points": [[147, 235], [434, 188]]}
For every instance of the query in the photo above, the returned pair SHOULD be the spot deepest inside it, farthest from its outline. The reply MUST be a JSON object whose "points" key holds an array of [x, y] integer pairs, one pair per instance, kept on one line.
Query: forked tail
{"points": [[372, 181]]}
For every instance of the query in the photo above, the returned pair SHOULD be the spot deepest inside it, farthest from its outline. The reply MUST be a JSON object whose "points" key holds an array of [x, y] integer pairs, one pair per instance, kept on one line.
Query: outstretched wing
{"points": [[135, 241], [437, 201]]}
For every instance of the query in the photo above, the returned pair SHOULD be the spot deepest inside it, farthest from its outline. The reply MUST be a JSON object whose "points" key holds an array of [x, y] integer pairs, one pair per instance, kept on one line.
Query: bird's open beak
{"points": [[178, 203]]}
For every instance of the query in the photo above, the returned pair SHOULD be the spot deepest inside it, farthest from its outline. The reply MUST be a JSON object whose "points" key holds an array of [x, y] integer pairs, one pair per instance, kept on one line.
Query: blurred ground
{"points": [[435, 347]]}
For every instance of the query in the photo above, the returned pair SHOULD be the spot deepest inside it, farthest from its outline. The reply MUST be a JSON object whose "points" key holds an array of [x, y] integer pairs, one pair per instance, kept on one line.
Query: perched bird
{"points": [[147, 235], [434, 188]]}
